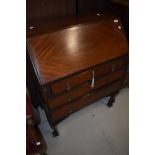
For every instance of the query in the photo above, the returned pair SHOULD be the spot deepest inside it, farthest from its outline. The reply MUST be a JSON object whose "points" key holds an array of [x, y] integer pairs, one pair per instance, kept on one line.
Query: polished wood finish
{"points": [[62, 53], [83, 89], [46, 15], [67, 84], [67, 109], [60, 113], [77, 65]]}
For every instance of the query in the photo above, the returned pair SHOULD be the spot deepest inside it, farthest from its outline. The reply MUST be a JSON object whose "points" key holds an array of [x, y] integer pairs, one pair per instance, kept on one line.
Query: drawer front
{"points": [[87, 99], [83, 89], [114, 87], [119, 74], [67, 84], [94, 96], [60, 113], [65, 110], [111, 66]]}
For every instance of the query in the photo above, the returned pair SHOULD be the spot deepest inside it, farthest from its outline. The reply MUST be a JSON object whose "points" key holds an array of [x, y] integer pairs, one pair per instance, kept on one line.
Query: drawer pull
{"points": [[93, 79], [87, 95], [69, 99], [68, 87], [113, 68]]}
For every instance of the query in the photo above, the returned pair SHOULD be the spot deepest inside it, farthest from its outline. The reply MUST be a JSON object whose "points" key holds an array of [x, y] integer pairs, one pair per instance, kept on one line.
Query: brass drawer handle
{"points": [[69, 99], [68, 87], [87, 95], [112, 68]]}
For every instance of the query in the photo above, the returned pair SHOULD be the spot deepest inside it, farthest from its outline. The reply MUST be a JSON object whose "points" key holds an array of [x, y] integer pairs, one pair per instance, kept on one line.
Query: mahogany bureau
{"points": [[78, 65]]}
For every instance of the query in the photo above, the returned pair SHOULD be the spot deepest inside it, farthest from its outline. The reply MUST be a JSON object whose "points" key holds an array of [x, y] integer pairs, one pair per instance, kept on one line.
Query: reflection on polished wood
{"points": [[64, 52], [77, 65]]}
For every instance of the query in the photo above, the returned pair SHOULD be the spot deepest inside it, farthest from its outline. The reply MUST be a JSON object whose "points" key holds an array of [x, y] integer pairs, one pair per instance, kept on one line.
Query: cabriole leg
{"points": [[55, 132], [111, 100]]}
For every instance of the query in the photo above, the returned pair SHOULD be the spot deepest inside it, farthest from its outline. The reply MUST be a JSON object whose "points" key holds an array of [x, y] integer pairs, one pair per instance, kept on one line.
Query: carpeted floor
{"points": [[94, 130]]}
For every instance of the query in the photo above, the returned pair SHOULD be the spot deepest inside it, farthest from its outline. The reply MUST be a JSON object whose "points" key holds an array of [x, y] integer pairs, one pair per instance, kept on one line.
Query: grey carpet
{"points": [[94, 130]]}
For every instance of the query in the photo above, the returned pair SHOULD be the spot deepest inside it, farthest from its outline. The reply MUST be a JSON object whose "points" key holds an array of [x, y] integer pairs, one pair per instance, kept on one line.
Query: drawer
{"points": [[84, 89], [60, 113], [100, 82], [111, 66], [114, 87], [75, 80], [69, 96], [67, 84], [107, 79], [94, 96], [87, 99], [66, 109], [63, 111]]}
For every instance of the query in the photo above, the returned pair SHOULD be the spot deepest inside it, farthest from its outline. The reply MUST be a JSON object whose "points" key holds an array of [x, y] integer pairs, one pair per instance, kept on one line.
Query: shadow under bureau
{"points": [[75, 66]]}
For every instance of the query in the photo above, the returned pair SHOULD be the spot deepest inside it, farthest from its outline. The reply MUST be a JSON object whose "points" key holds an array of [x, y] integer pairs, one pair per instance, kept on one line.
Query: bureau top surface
{"points": [[69, 50]]}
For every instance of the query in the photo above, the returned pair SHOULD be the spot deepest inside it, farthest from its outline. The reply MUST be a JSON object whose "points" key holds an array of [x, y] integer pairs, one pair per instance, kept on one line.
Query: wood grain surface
{"points": [[73, 49]]}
